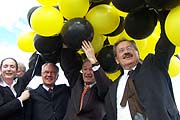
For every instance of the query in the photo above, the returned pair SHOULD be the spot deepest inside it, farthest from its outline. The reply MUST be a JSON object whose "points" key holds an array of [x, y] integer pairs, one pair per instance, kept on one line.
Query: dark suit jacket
{"points": [[153, 85], [10, 106], [94, 108], [43, 106]]}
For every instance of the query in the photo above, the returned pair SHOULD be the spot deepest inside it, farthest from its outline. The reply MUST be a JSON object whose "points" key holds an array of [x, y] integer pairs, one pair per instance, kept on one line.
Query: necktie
{"points": [[50, 90], [86, 87], [131, 96]]}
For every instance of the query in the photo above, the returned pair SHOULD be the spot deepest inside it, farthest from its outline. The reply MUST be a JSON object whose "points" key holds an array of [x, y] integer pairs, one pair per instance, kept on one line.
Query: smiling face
{"points": [[126, 55], [88, 74], [8, 69], [49, 74]]}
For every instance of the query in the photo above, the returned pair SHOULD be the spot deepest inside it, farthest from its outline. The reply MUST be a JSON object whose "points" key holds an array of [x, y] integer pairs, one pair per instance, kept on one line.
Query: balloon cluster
{"points": [[103, 22]]}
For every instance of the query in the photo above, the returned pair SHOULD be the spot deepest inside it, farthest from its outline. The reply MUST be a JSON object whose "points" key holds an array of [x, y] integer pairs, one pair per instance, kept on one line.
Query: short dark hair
{"points": [[122, 40], [16, 63]]}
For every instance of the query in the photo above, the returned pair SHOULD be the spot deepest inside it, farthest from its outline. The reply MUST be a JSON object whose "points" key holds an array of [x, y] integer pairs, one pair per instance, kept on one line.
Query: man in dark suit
{"points": [[48, 101], [153, 97], [12, 96], [89, 73]]}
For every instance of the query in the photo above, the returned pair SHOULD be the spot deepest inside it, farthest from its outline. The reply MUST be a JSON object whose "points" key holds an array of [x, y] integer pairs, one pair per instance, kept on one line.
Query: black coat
{"points": [[10, 106], [43, 106], [153, 85], [94, 108]]}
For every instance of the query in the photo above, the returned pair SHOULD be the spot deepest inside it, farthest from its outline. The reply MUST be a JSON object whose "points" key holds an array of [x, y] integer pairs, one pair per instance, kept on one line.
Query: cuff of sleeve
{"points": [[20, 102], [95, 68]]}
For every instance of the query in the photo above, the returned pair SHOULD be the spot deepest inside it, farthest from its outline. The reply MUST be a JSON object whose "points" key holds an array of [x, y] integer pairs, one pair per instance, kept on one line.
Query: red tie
{"points": [[86, 87]]}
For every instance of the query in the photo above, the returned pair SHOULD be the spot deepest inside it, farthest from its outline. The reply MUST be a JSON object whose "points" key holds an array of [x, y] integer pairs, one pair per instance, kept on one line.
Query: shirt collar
{"points": [[126, 71], [4, 84], [46, 88], [91, 85]]}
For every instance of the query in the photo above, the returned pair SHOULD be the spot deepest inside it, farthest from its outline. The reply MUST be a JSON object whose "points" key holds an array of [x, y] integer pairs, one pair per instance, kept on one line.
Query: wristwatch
{"points": [[95, 64]]}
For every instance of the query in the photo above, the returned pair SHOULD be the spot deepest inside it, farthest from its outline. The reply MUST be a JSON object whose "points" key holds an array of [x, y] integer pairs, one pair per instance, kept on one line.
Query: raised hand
{"points": [[89, 51]]}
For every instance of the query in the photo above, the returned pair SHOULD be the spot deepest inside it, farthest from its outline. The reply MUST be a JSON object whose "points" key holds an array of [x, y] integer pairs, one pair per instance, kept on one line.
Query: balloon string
{"points": [[35, 67]]}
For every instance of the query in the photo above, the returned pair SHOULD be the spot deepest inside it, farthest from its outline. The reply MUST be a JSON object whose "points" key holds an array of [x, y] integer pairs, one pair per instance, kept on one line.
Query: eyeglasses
{"points": [[128, 48]]}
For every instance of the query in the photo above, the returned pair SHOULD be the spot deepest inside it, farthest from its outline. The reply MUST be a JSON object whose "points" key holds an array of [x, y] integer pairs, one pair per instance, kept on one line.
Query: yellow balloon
{"points": [[145, 46], [150, 46], [122, 35], [74, 8], [98, 41], [172, 26], [80, 52], [174, 67], [114, 76], [48, 2], [157, 29], [46, 21], [103, 18], [113, 39], [141, 45], [177, 51], [149, 43], [25, 41], [119, 12]]}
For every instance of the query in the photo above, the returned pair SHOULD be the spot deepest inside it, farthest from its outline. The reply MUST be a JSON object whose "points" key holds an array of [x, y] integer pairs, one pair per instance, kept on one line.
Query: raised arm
{"points": [[102, 81], [164, 48], [71, 64]]}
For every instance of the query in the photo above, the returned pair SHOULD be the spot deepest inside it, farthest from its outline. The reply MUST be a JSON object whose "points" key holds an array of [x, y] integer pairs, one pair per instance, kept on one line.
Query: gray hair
{"points": [[52, 64]]}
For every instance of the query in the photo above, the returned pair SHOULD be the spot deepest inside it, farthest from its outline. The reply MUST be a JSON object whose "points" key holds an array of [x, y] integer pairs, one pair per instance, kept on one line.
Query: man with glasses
{"points": [[48, 101], [144, 91]]}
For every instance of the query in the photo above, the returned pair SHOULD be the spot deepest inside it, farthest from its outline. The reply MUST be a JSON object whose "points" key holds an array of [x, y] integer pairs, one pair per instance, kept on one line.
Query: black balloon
{"points": [[106, 59], [48, 47], [98, 2], [128, 5], [162, 4], [140, 24], [75, 31], [30, 13]]}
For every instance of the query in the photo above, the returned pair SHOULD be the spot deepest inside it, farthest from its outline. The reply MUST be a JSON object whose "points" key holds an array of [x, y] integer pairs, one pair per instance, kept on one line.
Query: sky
{"points": [[13, 22]]}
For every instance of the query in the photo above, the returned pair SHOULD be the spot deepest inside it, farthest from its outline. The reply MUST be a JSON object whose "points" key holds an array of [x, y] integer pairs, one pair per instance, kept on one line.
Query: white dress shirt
{"points": [[2, 83], [123, 113]]}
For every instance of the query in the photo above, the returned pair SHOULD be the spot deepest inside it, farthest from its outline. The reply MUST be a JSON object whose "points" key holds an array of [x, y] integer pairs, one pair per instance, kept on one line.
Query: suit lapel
{"points": [[113, 91], [9, 91], [75, 97], [42, 92], [134, 73]]}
